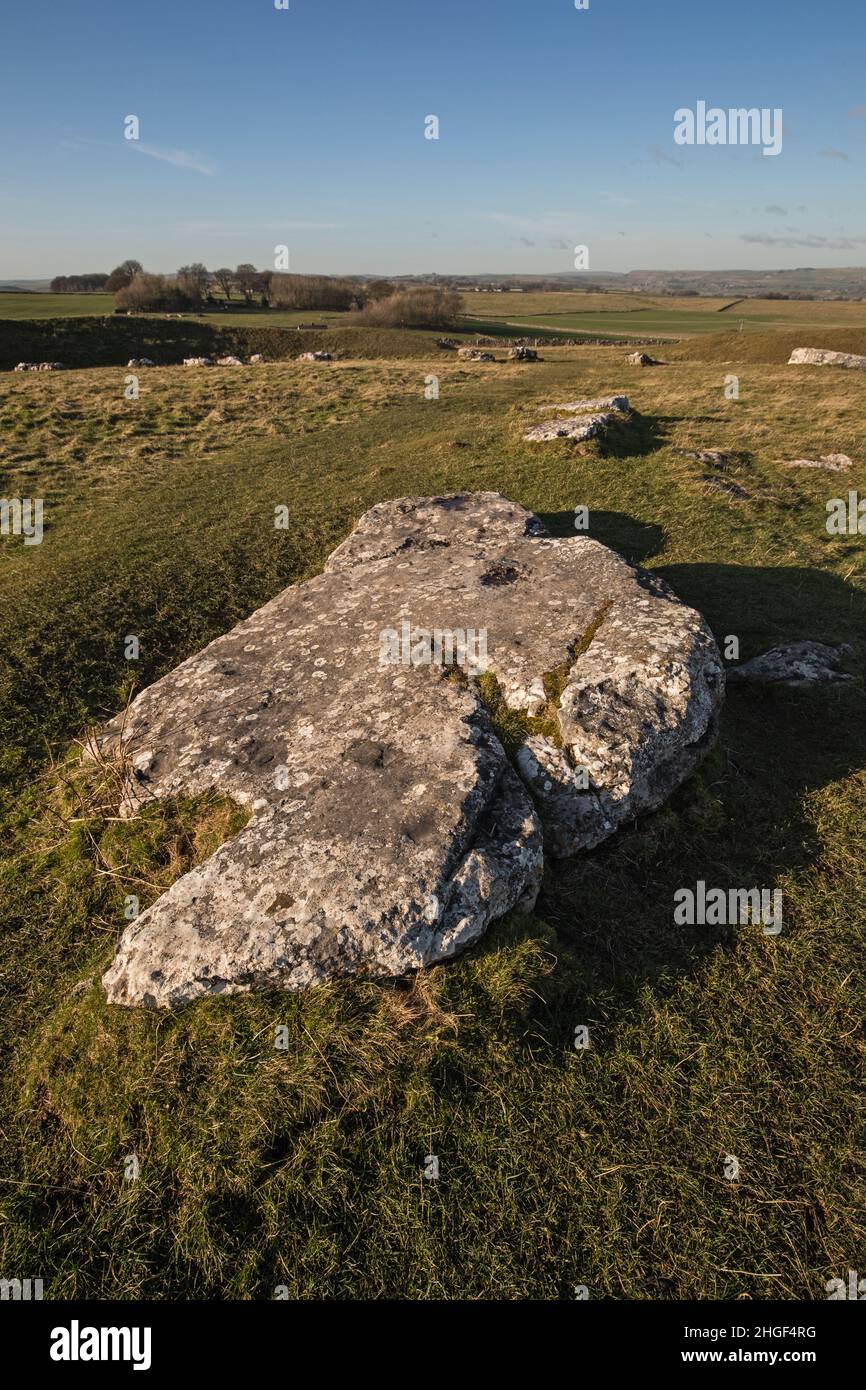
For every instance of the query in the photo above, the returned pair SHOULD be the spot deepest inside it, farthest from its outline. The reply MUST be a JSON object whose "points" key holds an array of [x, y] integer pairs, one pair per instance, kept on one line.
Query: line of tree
{"points": [[314, 292], [193, 286], [78, 284], [84, 284]]}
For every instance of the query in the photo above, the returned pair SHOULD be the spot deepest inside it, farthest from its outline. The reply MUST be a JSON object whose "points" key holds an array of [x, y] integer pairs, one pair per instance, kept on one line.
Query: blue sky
{"points": [[305, 127]]}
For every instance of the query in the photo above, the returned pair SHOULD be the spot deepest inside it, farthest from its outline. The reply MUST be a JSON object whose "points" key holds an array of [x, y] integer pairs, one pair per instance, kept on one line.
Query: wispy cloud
{"points": [[181, 159], [830, 153], [811, 243], [775, 211]]}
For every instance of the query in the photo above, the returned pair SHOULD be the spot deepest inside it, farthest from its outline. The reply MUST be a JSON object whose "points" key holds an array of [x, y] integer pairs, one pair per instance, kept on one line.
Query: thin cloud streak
{"points": [[811, 243], [181, 159]]}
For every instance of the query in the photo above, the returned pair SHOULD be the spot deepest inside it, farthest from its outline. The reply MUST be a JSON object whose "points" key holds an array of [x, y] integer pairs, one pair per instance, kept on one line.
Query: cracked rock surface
{"points": [[388, 827]]}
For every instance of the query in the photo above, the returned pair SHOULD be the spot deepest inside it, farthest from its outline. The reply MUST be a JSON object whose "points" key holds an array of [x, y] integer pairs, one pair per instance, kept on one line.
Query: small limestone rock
{"points": [[831, 463], [522, 354], [315, 357], [140, 362], [643, 359], [256, 359], [822, 357], [197, 362], [795, 664], [41, 367], [388, 828], [468, 354], [715, 458]]}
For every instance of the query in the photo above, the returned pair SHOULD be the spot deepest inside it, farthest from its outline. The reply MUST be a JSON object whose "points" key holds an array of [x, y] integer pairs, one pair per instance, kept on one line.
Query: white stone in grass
{"points": [[822, 357]]}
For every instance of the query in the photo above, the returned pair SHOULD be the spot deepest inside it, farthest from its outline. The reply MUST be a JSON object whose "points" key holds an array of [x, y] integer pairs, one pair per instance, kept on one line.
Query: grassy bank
{"points": [[98, 342]]}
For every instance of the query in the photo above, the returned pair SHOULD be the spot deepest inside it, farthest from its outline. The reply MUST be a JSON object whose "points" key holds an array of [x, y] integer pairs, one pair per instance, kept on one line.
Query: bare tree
{"points": [[122, 275], [192, 281], [263, 286], [246, 276], [225, 278]]}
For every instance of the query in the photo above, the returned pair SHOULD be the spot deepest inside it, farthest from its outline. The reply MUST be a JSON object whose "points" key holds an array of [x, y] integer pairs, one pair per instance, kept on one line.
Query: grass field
{"points": [[557, 1167], [569, 312], [630, 316], [52, 306]]}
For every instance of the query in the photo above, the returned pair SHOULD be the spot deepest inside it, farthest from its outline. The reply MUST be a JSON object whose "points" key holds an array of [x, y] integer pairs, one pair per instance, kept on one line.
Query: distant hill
{"points": [[24, 286], [846, 282]]}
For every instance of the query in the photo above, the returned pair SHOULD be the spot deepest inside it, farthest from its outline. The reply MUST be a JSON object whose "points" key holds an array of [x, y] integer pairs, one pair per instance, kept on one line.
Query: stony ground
{"points": [[303, 1167]]}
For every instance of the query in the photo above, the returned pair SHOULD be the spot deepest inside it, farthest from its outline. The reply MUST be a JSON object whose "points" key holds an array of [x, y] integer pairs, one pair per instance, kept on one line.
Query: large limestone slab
{"points": [[822, 357], [388, 828], [578, 420]]}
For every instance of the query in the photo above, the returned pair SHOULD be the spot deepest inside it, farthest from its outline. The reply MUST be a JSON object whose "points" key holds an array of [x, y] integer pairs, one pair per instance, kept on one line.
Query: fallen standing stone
{"points": [[617, 403], [822, 357], [584, 419], [388, 826], [576, 427], [795, 664]]}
